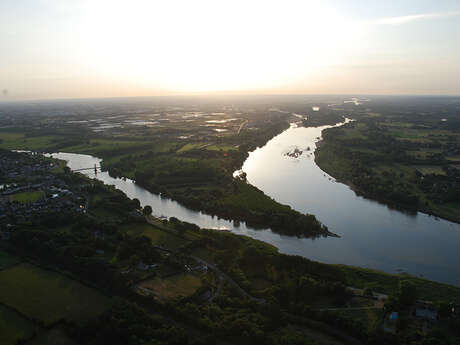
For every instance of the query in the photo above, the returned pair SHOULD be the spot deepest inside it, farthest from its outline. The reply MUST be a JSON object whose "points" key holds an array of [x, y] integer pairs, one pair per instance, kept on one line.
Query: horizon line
{"points": [[185, 95]]}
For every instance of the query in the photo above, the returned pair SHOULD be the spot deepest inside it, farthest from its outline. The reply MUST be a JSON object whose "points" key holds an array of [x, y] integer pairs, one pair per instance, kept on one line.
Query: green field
{"points": [[100, 147], [48, 296], [221, 148], [7, 260], [190, 146], [19, 141], [180, 285], [158, 236], [388, 284], [13, 327], [27, 197], [427, 169]]}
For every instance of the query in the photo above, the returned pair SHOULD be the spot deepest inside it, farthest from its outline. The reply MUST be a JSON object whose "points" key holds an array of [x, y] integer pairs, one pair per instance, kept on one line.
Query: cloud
{"points": [[407, 19]]}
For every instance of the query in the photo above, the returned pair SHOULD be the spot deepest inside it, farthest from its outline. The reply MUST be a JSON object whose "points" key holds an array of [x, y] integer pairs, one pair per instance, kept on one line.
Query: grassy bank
{"points": [[389, 165]]}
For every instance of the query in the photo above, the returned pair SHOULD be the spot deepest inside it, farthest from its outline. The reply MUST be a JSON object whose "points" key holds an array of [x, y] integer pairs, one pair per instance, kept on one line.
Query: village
{"points": [[32, 188]]}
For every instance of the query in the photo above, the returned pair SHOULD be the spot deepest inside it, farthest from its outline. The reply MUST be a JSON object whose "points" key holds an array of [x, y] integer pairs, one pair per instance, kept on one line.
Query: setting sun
{"points": [[210, 46], [119, 48]]}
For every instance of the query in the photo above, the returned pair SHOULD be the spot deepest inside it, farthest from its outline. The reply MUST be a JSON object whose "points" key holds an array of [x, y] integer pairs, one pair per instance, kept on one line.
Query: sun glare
{"points": [[194, 46]]}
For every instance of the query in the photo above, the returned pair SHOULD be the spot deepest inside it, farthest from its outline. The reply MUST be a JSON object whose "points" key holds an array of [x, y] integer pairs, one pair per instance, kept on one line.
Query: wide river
{"points": [[372, 235]]}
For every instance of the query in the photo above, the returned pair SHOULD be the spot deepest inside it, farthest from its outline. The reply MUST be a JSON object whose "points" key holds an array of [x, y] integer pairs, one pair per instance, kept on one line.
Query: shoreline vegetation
{"points": [[253, 287], [201, 178], [249, 293], [407, 174]]}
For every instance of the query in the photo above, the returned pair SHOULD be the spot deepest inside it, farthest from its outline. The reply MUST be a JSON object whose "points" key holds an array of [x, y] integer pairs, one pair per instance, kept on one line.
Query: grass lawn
{"points": [[189, 146], [13, 327], [430, 169], [388, 283], [7, 260], [158, 236], [454, 158], [180, 285], [221, 148], [18, 141], [49, 296], [27, 197], [99, 146]]}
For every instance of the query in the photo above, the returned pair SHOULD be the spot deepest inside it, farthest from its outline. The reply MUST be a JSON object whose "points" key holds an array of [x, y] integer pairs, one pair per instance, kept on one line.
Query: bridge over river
{"points": [[95, 168]]}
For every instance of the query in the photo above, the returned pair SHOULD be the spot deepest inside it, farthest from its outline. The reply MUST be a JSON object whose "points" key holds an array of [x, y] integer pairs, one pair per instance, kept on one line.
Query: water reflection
{"points": [[372, 235]]}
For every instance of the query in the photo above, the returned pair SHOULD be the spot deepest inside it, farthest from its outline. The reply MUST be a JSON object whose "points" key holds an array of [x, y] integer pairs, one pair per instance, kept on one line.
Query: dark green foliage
{"points": [[128, 324], [147, 211]]}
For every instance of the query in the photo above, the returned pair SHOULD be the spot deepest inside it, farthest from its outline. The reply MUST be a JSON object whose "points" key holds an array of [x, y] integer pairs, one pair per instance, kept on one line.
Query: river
{"points": [[372, 235]]}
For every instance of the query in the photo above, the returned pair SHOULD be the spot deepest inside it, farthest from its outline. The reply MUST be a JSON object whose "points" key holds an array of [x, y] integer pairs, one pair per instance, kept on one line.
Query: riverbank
{"points": [[365, 240], [368, 229], [197, 173], [202, 180], [365, 168]]}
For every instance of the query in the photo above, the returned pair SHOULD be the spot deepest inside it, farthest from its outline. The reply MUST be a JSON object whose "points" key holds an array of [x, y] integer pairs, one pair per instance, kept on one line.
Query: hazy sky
{"points": [[105, 48]]}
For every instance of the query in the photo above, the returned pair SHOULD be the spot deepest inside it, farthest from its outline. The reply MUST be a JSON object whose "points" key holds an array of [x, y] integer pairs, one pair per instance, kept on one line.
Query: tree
{"points": [[407, 293], [147, 211], [137, 203], [368, 292]]}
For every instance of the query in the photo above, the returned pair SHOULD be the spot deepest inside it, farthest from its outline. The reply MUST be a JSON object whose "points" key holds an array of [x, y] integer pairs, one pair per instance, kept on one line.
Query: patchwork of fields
{"points": [[32, 298]]}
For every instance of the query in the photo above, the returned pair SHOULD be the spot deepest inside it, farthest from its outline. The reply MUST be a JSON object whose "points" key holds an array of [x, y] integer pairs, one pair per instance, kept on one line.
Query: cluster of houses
{"points": [[19, 164], [16, 212], [425, 312], [23, 173]]}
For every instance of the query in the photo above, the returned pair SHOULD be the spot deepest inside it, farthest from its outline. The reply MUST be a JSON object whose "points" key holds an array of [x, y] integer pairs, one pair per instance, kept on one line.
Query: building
{"points": [[425, 311]]}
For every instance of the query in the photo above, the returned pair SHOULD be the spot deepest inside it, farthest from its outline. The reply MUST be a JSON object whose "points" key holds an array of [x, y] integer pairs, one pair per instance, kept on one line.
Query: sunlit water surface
{"points": [[372, 235]]}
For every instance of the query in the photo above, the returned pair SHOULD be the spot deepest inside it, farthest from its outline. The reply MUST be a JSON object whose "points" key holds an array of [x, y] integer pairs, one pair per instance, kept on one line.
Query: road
{"points": [[348, 308], [217, 292], [242, 126], [221, 274], [377, 295], [229, 280]]}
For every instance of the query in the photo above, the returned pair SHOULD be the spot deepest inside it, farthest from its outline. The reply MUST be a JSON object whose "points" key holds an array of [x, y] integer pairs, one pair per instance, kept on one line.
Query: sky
{"points": [[111, 48]]}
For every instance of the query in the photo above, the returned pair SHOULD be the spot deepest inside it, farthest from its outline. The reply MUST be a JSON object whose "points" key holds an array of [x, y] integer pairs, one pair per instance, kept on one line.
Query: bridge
{"points": [[94, 168]]}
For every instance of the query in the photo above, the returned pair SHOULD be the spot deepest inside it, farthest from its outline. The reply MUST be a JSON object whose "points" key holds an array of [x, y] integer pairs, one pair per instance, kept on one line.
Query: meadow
{"points": [[387, 283], [180, 285], [48, 296], [13, 327], [27, 197]]}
